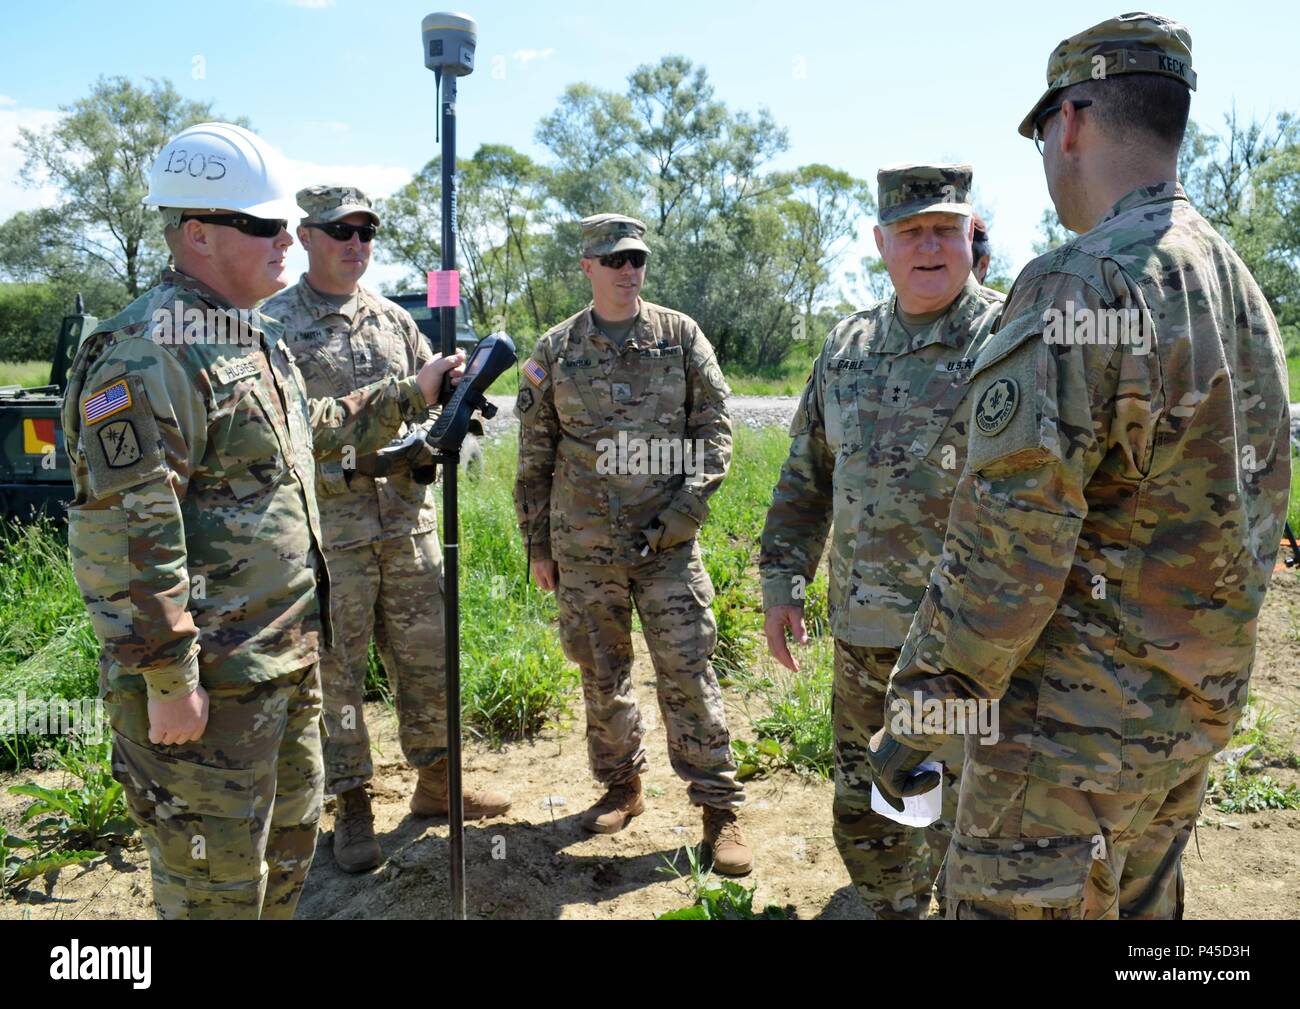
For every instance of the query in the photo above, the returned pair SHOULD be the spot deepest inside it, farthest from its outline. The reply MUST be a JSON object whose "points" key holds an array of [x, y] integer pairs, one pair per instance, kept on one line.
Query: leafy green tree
{"points": [[98, 155]]}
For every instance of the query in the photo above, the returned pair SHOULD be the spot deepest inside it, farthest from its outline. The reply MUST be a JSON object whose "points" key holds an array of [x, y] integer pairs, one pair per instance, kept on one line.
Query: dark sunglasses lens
{"points": [[258, 227], [615, 262], [261, 227], [343, 232]]}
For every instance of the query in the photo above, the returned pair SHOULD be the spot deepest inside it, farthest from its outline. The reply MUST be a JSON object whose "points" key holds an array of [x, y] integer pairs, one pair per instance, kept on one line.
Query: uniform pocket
{"points": [[331, 481], [245, 441], [202, 816], [571, 404], [1044, 872], [97, 541], [843, 425]]}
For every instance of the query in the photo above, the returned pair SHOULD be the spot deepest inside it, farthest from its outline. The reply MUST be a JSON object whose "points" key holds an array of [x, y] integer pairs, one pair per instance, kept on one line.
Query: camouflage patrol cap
{"points": [[332, 203], [908, 189], [603, 234], [1138, 43]]}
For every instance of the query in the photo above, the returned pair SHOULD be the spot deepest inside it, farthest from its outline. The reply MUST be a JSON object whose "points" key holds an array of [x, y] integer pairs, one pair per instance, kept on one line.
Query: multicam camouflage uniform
{"points": [[580, 393], [1108, 550], [380, 538], [879, 442], [195, 541]]}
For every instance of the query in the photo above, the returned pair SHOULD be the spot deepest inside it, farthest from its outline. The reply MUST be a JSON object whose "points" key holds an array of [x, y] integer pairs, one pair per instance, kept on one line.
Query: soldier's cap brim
{"points": [[1120, 60], [1027, 124], [618, 245], [338, 213], [906, 210]]}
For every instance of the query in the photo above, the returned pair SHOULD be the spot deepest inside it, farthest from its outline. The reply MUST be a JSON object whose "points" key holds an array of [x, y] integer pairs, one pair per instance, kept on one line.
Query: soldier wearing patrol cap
{"points": [[195, 537], [1113, 535], [380, 530], [879, 439], [624, 436]]}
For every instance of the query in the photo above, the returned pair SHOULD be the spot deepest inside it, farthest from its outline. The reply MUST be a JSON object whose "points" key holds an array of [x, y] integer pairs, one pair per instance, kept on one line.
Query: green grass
{"points": [[24, 373], [1235, 790], [47, 647], [786, 379], [1239, 786], [792, 726], [715, 900]]}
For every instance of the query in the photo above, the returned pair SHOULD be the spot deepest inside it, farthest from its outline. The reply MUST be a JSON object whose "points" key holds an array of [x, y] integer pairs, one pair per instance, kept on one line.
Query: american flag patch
{"points": [[535, 373], [106, 402]]}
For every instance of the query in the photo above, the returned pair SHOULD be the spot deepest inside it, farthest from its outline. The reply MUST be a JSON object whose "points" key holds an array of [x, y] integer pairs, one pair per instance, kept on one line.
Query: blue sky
{"points": [[341, 89]]}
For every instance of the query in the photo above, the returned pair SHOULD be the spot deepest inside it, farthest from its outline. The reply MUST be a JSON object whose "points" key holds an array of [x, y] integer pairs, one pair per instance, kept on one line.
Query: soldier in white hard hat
{"points": [[195, 536]]}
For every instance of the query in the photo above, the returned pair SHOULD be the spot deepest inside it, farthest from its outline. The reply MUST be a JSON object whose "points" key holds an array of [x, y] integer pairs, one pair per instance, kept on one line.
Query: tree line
{"points": [[759, 256]]}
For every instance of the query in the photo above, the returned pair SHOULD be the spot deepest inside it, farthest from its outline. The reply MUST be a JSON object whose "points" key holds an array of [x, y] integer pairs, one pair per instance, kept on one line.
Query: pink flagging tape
{"points": [[444, 288]]}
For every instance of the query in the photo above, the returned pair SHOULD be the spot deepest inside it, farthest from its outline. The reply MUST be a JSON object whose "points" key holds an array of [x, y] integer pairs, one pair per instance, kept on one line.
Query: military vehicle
{"points": [[34, 471], [429, 325]]}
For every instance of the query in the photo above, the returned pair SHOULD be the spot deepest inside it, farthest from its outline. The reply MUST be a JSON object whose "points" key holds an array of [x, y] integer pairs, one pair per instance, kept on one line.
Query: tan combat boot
{"points": [[430, 798], [618, 805], [731, 855], [355, 847]]}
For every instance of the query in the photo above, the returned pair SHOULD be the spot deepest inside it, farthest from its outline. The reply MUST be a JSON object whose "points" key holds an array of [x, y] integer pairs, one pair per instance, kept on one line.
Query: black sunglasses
{"points": [[1050, 111], [616, 260], [258, 227], [342, 232]]}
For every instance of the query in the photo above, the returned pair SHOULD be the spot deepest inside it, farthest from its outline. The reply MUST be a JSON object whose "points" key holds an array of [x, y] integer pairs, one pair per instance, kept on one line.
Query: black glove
{"points": [[893, 767]]}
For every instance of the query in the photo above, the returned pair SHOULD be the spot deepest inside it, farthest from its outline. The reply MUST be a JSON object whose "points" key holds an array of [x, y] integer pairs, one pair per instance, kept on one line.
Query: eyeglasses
{"points": [[258, 227], [343, 232], [615, 260], [1050, 111]]}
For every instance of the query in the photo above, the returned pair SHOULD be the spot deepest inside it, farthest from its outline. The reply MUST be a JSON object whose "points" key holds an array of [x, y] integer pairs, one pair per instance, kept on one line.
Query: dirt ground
{"points": [[537, 862]]}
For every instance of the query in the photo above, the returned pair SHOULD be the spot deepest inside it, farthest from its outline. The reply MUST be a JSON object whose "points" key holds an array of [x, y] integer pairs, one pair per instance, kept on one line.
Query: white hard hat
{"points": [[220, 166]]}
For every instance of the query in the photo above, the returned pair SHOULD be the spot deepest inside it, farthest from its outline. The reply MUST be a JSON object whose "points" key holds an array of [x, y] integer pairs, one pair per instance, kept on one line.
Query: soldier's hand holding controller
{"points": [[775, 621], [429, 378]]}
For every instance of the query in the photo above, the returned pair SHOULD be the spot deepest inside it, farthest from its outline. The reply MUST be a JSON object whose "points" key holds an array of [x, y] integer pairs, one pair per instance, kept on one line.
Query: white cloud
{"points": [[6, 100], [375, 181], [310, 4], [526, 56], [14, 196]]}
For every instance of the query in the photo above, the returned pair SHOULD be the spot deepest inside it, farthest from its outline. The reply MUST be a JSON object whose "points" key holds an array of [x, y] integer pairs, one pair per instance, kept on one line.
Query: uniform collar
{"points": [[1160, 192], [641, 337], [952, 329], [318, 307]]}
